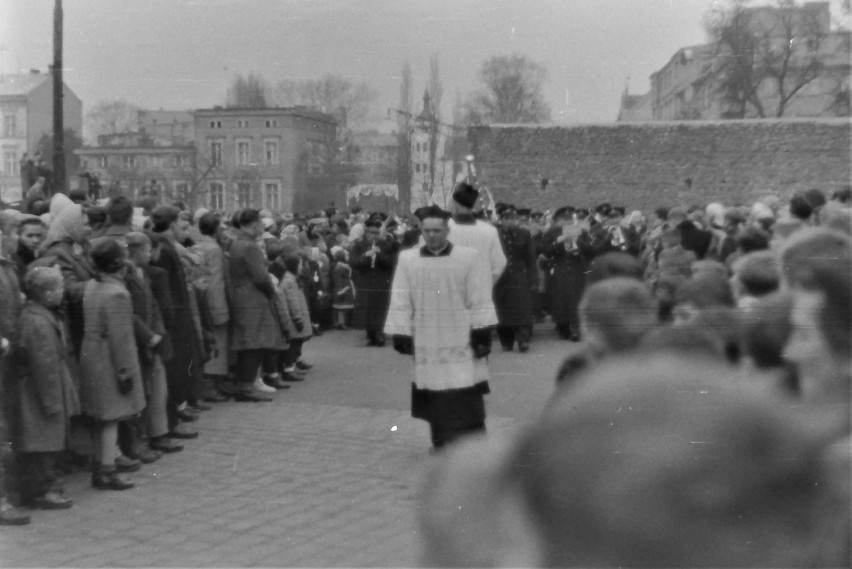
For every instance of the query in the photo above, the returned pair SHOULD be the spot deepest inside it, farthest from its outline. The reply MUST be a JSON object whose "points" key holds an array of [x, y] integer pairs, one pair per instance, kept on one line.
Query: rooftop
{"points": [[21, 84], [306, 112]]}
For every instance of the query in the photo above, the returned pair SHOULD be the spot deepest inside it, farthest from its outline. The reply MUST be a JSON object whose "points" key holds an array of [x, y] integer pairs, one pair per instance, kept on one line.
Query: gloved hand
{"points": [[404, 345], [300, 326], [480, 342]]}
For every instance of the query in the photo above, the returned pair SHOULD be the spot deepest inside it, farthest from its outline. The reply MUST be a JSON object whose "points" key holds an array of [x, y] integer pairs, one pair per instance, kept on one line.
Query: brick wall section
{"points": [[642, 166]]}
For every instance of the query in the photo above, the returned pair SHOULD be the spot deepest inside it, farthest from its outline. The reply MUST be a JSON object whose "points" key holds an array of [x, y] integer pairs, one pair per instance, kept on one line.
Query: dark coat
{"points": [[185, 365], [254, 322], [108, 353], [147, 320], [567, 274], [76, 271], [296, 304], [512, 292], [372, 281], [45, 396], [612, 239], [10, 311], [159, 281]]}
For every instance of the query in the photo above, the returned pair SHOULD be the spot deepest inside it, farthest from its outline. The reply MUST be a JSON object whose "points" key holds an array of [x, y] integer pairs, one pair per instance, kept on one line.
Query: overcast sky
{"points": [[182, 54]]}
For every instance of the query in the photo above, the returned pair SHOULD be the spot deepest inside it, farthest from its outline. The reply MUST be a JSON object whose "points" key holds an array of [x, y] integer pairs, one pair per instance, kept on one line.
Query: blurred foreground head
{"points": [[663, 461]]}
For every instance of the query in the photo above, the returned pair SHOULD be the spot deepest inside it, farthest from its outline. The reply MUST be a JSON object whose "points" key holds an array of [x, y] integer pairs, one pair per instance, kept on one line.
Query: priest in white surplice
{"points": [[441, 313]]}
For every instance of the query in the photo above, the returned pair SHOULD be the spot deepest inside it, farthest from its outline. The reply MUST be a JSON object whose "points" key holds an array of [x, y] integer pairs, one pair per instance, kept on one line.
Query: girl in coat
{"points": [[111, 388], [300, 318], [45, 396], [343, 289]]}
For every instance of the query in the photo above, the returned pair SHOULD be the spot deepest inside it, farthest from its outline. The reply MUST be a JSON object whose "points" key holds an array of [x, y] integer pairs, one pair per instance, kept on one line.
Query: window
{"points": [[242, 123], [103, 161], [216, 152], [243, 194], [243, 153], [10, 162], [272, 193], [178, 161], [128, 161], [272, 123], [417, 167], [215, 124], [316, 158], [10, 126], [217, 196], [270, 152], [180, 190]]}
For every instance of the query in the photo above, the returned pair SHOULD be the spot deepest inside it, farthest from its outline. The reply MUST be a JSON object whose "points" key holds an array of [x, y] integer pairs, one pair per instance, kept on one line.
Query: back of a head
{"points": [[752, 239], [614, 264], [705, 291], [661, 462], [758, 273], [617, 312], [208, 224], [812, 248], [767, 329], [119, 211]]}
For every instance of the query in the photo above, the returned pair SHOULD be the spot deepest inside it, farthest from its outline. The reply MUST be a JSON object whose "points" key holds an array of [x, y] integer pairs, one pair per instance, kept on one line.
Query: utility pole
{"points": [[58, 126]]}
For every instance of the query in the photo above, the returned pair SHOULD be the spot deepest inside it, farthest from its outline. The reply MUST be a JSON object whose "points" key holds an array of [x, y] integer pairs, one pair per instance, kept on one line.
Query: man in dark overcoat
{"points": [[568, 248], [513, 290], [372, 259], [183, 369]]}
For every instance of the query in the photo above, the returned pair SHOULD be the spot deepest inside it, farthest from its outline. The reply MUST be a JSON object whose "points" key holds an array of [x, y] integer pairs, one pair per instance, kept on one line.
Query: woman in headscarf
{"points": [[64, 247]]}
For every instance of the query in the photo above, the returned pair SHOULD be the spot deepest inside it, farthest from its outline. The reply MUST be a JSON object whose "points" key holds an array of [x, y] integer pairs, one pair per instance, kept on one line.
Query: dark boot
{"points": [[105, 478]]}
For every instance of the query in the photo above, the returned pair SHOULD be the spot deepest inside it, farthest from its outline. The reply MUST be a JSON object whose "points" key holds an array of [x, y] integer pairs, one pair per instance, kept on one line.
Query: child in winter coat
{"points": [[300, 318], [343, 290], [45, 395]]}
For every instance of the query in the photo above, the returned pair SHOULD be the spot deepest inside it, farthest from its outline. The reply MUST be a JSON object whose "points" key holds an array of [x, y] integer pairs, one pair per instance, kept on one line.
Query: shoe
{"points": [[304, 366], [127, 464], [275, 381], [523, 347], [251, 397], [51, 501], [218, 397], [188, 415], [147, 455], [508, 348], [380, 341], [110, 480], [259, 385], [10, 515], [182, 431], [198, 405], [292, 377], [574, 337], [165, 445]]}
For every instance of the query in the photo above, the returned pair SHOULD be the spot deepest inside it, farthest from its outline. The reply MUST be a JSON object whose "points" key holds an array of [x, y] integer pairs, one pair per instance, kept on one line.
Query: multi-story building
{"points": [[165, 128], [687, 87], [132, 165], [276, 158], [377, 157], [26, 111]]}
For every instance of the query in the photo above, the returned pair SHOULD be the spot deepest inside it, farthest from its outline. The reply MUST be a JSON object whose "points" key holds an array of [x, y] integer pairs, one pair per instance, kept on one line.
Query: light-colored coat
{"points": [[45, 396], [297, 305], [213, 259], [109, 352]]}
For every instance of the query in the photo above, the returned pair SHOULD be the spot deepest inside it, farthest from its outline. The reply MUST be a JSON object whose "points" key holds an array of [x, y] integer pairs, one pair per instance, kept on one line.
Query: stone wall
{"points": [[642, 166]]}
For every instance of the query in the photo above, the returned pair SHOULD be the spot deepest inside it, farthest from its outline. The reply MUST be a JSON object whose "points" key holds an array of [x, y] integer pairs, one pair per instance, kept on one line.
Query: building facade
{"points": [[26, 112], [688, 86], [133, 166], [277, 158]]}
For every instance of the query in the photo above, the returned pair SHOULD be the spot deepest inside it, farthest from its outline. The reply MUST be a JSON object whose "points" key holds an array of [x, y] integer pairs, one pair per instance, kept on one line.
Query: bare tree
{"points": [[436, 93], [110, 117], [247, 92], [349, 101], [512, 94], [403, 125], [764, 56]]}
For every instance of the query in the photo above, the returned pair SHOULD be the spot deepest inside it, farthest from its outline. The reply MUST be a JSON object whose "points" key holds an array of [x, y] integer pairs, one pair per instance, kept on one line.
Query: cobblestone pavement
{"points": [[296, 482]]}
